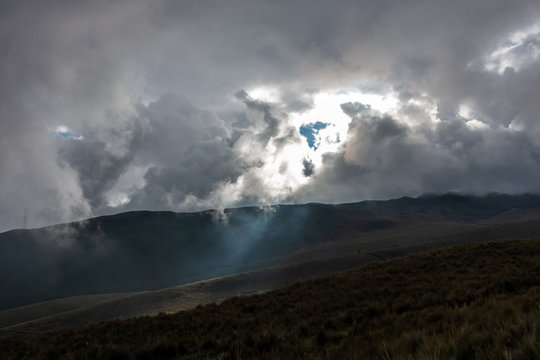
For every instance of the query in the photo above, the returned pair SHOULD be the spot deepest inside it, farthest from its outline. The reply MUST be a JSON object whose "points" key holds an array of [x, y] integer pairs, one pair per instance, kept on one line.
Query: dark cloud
{"points": [[186, 151], [97, 164], [97, 169], [271, 123], [384, 158], [309, 167], [355, 109], [466, 75]]}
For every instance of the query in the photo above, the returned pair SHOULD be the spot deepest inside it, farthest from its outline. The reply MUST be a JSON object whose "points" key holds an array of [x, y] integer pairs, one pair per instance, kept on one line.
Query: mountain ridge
{"points": [[363, 203], [146, 250]]}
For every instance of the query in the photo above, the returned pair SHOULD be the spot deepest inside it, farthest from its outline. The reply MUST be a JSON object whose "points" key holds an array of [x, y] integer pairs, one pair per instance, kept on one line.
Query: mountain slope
{"points": [[34, 318], [462, 302], [316, 261], [144, 250]]}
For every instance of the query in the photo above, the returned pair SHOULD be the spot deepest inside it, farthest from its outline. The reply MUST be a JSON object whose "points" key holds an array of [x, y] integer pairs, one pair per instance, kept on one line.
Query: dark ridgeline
{"points": [[148, 250]]}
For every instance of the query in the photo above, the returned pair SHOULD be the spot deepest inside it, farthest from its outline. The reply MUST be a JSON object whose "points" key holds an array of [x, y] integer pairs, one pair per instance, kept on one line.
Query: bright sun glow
{"points": [[284, 170], [327, 110]]}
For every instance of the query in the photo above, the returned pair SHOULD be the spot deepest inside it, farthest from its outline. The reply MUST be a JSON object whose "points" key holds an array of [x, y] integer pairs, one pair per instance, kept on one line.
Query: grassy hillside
{"points": [[475, 301], [145, 250], [78, 311]]}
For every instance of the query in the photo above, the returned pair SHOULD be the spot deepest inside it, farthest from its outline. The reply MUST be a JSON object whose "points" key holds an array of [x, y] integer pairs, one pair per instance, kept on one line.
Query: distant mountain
{"points": [[148, 250], [454, 205]]}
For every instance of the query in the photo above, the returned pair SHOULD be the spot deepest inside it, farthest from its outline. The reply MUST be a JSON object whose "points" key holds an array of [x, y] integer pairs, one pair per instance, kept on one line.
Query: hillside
{"points": [[477, 301], [318, 261], [141, 251], [82, 310]]}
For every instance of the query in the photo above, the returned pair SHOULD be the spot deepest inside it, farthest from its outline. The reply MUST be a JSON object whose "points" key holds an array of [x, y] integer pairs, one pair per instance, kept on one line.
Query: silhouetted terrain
{"points": [[150, 250], [477, 301]]}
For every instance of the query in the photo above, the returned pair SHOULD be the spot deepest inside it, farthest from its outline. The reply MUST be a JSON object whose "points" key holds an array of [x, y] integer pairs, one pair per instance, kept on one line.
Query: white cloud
{"points": [[476, 125], [518, 50], [105, 71]]}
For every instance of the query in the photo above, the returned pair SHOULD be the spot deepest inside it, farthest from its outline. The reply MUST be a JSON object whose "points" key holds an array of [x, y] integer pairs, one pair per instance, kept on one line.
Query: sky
{"points": [[184, 105]]}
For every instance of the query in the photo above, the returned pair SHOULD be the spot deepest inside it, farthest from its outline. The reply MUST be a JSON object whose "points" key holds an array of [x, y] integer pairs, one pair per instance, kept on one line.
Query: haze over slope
{"points": [[149, 250], [474, 301]]}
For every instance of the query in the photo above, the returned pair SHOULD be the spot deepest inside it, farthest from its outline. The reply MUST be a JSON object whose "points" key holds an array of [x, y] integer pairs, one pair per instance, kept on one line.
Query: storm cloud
{"points": [[181, 105]]}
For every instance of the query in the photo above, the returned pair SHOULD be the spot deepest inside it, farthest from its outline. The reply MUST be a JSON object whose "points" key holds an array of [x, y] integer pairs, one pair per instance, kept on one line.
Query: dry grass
{"points": [[464, 302]]}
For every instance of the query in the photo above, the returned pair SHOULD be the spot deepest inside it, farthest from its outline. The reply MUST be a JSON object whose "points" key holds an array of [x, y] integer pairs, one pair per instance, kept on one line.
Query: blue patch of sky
{"points": [[309, 131], [69, 134]]}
